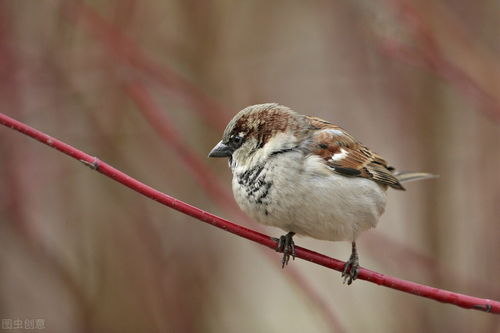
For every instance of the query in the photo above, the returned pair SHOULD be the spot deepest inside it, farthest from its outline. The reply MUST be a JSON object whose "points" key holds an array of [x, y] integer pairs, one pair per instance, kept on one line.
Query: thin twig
{"points": [[465, 301]]}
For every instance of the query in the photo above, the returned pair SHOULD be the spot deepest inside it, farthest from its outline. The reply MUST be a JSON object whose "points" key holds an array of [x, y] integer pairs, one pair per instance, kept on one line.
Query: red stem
{"points": [[440, 295]]}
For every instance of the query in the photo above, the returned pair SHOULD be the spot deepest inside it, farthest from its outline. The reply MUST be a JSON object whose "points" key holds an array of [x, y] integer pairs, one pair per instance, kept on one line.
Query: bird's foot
{"points": [[351, 267], [286, 245]]}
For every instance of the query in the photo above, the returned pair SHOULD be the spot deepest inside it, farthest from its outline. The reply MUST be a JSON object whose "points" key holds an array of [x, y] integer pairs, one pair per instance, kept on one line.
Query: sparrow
{"points": [[306, 176]]}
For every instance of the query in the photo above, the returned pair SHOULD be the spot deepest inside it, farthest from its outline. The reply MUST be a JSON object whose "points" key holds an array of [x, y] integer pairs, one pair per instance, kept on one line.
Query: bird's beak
{"points": [[221, 150]]}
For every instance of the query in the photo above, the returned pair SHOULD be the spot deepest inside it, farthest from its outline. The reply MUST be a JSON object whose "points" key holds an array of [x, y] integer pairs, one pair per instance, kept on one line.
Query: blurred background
{"points": [[148, 87]]}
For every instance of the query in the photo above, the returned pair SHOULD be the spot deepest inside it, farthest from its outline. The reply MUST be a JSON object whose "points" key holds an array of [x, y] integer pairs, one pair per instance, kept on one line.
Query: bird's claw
{"points": [[351, 269], [286, 245]]}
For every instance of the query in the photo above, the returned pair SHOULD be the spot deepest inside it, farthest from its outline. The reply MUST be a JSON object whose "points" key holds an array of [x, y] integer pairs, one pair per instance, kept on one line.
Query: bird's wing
{"points": [[346, 156]]}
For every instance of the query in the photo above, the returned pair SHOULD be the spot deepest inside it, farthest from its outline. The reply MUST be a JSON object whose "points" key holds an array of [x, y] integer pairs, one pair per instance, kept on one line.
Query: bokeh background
{"points": [[148, 87]]}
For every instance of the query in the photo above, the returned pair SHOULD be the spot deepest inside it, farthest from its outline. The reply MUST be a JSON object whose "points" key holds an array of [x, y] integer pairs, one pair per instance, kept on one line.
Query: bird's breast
{"points": [[262, 191], [252, 190], [302, 197]]}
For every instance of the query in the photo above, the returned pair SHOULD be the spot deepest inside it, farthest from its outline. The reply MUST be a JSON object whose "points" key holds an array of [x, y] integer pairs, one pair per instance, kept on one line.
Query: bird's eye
{"points": [[236, 141]]}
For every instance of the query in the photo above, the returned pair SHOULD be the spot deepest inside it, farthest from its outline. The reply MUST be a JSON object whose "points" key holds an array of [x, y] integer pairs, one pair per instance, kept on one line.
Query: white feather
{"points": [[334, 131], [339, 156], [306, 197]]}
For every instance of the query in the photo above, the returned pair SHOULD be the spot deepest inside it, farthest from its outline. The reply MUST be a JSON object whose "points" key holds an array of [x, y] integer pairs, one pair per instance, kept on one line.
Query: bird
{"points": [[307, 177]]}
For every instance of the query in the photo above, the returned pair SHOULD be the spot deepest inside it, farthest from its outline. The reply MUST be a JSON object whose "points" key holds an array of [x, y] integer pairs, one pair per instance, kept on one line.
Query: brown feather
{"points": [[346, 156]]}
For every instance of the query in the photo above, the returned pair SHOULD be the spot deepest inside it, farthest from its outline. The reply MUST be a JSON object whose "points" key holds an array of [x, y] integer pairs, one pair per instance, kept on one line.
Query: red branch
{"points": [[440, 295]]}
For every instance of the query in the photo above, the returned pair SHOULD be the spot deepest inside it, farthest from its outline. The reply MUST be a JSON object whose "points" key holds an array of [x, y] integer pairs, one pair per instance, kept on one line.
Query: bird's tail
{"points": [[405, 177]]}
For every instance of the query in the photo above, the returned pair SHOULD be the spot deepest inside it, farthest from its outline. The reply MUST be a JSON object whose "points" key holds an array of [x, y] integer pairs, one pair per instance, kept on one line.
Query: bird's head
{"points": [[258, 131]]}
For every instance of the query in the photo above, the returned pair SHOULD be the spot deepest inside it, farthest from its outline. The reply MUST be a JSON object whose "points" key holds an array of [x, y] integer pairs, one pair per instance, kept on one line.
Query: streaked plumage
{"points": [[306, 176]]}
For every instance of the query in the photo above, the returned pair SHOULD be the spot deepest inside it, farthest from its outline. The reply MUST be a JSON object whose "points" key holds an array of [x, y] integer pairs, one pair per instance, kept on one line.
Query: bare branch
{"points": [[465, 301]]}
